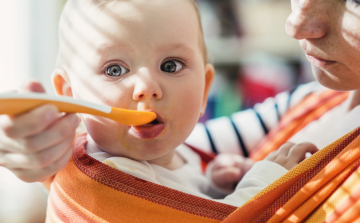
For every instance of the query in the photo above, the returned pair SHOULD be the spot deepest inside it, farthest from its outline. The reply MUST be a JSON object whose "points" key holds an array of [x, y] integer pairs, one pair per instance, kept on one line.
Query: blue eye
{"points": [[171, 66], [116, 70]]}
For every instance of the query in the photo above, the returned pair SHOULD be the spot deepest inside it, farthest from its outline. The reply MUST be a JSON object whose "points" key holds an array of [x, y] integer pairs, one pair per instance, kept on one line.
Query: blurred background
{"points": [[246, 40]]}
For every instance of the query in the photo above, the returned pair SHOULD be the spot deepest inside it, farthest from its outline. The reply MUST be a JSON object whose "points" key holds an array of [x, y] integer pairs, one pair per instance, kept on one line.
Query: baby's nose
{"points": [[146, 88]]}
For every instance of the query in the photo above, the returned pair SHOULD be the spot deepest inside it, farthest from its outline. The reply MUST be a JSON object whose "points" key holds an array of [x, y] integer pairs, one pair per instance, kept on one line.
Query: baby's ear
{"points": [[209, 77], [61, 82]]}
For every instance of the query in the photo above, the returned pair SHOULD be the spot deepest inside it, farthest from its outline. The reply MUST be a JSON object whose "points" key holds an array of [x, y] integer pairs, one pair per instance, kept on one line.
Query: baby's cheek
{"points": [[103, 131], [120, 140]]}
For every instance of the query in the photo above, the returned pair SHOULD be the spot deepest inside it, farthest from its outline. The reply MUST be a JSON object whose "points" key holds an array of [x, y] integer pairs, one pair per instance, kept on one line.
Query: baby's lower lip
{"points": [[319, 62], [148, 131]]}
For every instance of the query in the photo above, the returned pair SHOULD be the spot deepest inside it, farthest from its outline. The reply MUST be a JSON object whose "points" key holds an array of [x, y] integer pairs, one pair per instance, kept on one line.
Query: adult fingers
{"points": [[29, 123], [57, 132], [41, 174], [40, 160], [298, 151]]}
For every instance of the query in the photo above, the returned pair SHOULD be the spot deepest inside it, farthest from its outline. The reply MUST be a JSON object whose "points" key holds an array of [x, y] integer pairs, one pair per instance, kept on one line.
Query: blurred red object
{"points": [[254, 91]]}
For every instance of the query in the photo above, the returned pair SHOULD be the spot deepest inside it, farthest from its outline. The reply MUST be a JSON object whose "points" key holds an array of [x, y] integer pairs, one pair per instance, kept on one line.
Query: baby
{"points": [[140, 55]]}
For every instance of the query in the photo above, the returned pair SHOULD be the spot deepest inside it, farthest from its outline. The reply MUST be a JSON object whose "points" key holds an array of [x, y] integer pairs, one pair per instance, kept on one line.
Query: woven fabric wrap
{"points": [[311, 108], [90, 191], [313, 190], [323, 188]]}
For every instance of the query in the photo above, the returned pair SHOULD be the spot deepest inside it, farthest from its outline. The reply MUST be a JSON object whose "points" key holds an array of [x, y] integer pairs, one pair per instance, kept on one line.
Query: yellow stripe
{"points": [[341, 194]]}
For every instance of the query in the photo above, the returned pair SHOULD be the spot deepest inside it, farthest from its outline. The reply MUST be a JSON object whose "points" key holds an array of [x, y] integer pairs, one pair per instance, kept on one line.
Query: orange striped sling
{"points": [[311, 108], [90, 191], [323, 188], [307, 191]]}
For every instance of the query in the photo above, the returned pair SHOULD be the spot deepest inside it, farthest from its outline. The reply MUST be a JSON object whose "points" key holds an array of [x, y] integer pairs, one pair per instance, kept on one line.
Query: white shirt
{"points": [[190, 179]]}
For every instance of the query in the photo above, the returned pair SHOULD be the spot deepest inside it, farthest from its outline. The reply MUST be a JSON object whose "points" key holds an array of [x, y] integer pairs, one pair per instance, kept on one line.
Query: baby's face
{"points": [[141, 55]]}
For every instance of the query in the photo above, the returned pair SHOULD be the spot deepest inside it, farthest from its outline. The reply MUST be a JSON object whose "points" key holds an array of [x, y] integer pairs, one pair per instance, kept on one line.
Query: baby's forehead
{"points": [[145, 6], [111, 14], [95, 22]]}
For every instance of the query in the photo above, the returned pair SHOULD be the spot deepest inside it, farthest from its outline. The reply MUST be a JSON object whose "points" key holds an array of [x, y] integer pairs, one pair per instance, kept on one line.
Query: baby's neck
{"points": [[174, 162], [170, 161]]}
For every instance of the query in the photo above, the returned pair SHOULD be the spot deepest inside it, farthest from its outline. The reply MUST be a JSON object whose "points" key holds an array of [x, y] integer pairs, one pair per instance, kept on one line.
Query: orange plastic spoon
{"points": [[14, 104]]}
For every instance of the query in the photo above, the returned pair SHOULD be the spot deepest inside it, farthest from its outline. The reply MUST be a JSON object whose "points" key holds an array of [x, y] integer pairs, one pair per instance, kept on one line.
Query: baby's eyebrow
{"points": [[177, 46]]}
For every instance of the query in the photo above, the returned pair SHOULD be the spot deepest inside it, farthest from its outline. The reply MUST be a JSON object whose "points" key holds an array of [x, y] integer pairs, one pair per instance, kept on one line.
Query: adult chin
{"points": [[339, 82]]}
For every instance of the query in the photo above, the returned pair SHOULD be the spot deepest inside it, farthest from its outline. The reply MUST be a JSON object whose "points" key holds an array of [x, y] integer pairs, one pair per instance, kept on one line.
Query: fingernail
{"points": [[75, 121]]}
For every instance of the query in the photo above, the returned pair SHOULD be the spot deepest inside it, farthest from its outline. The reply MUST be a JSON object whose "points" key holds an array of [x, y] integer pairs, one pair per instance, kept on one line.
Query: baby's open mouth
{"points": [[156, 121], [150, 130]]}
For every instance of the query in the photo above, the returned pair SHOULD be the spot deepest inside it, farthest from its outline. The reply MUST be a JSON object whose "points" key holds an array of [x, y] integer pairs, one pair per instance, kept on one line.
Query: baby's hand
{"points": [[228, 170], [37, 144], [290, 154]]}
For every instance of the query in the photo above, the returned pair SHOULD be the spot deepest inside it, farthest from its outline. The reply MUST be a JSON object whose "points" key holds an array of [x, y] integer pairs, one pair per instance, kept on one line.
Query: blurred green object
{"points": [[227, 101]]}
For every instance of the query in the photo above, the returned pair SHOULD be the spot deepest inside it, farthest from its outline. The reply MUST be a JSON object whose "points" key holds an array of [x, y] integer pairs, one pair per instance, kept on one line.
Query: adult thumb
{"points": [[32, 86]]}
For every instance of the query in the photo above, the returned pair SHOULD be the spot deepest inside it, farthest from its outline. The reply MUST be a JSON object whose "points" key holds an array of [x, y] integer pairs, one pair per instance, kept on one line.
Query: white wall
{"points": [[28, 46], [14, 64], [28, 41]]}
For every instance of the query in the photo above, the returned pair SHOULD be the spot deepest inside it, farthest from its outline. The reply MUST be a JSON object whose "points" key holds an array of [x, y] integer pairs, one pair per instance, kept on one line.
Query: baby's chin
{"points": [[139, 151]]}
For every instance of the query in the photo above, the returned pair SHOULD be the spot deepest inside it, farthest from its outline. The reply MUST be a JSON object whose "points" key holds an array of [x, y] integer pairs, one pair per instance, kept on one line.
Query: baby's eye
{"points": [[116, 70], [172, 66]]}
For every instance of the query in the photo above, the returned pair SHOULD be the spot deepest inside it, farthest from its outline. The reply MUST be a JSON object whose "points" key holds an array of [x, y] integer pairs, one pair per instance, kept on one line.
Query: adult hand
{"points": [[37, 144]]}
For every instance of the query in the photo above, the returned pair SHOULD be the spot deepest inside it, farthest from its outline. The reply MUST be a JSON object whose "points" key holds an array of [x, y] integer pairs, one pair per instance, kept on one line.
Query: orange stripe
{"points": [[330, 152], [338, 164], [66, 209], [91, 189], [158, 194], [308, 110], [345, 205], [352, 214], [249, 212], [114, 206], [314, 201], [311, 102], [263, 205], [334, 204]]}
